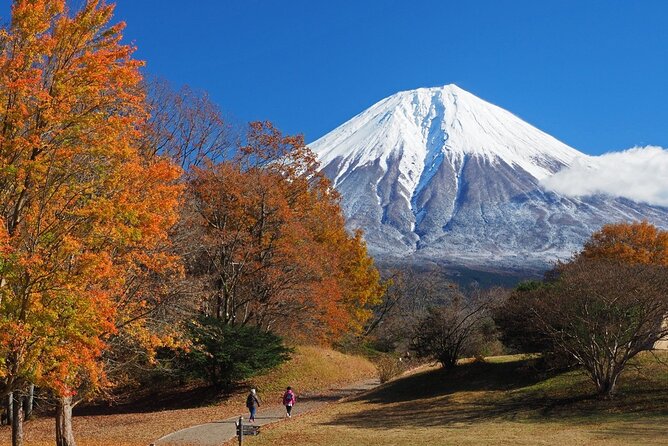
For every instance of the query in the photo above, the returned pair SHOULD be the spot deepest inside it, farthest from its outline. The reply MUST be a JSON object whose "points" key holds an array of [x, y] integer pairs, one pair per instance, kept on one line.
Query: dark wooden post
{"points": [[241, 430]]}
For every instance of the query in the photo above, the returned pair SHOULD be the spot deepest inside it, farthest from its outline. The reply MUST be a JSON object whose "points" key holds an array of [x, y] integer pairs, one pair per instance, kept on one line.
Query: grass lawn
{"points": [[137, 424], [502, 401]]}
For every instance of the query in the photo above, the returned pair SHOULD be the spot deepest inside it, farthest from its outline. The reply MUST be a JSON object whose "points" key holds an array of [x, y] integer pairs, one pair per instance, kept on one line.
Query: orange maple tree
{"points": [[272, 249], [82, 211], [636, 242]]}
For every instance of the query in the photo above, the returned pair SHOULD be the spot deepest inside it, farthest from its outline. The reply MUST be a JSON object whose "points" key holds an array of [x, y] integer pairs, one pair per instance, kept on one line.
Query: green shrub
{"points": [[223, 354]]}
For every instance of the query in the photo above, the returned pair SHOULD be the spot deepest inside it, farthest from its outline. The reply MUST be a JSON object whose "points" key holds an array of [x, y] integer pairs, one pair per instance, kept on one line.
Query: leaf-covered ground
{"points": [[137, 424]]}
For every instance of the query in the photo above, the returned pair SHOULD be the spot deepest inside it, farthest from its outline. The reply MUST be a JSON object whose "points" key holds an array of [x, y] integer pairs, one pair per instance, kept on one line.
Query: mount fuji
{"points": [[439, 174]]}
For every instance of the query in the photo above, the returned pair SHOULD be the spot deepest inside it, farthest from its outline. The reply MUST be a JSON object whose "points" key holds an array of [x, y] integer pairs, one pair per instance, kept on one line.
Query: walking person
{"points": [[289, 400], [252, 403]]}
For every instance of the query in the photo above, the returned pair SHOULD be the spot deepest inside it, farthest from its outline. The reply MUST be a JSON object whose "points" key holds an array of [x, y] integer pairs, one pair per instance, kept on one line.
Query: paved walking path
{"points": [[218, 432]]}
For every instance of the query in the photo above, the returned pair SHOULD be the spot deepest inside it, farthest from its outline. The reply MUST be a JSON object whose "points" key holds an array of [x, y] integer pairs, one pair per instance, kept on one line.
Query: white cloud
{"points": [[639, 174]]}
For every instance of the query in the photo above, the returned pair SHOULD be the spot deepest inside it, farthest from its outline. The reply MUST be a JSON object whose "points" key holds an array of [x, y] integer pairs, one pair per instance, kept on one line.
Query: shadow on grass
{"points": [[176, 397], [495, 391], [643, 431], [475, 376], [331, 395], [161, 399]]}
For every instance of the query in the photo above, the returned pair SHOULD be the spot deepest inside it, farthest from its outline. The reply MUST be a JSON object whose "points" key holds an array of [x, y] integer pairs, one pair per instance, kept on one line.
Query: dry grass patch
{"points": [[503, 402], [312, 369], [316, 368]]}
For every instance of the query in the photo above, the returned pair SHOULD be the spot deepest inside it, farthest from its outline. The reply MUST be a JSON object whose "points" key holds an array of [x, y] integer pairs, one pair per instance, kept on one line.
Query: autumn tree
{"points": [[636, 242], [82, 210], [633, 243], [269, 243], [185, 127]]}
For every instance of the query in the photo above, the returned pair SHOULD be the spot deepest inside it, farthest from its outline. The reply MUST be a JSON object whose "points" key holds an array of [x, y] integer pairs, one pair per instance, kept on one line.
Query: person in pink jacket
{"points": [[289, 400]]}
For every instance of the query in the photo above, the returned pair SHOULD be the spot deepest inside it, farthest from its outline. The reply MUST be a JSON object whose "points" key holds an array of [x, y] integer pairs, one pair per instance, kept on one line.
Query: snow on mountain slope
{"points": [[429, 122], [442, 174]]}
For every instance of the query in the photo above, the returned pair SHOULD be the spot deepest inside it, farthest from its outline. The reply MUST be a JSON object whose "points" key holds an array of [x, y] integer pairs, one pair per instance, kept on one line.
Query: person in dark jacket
{"points": [[252, 402], [289, 400]]}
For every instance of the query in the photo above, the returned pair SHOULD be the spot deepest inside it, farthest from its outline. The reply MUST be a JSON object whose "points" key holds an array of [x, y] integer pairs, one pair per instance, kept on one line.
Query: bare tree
{"points": [[455, 329], [185, 126], [410, 293], [602, 313]]}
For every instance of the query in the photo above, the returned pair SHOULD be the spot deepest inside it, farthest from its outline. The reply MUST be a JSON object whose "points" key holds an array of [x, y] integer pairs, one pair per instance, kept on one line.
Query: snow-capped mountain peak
{"points": [[421, 126], [441, 173]]}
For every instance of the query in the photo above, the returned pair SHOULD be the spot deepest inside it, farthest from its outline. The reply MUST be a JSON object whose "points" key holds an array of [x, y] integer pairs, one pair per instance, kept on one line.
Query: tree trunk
{"points": [[64, 433], [448, 362], [10, 409], [30, 398], [607, 386], [17, 421]]}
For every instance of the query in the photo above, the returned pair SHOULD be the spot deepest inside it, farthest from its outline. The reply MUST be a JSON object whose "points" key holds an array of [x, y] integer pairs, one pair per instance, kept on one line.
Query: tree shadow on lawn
{"points": [[158, 399], [330, 395], [492, 391], [642, 430], [474, 376], [175, 397]]}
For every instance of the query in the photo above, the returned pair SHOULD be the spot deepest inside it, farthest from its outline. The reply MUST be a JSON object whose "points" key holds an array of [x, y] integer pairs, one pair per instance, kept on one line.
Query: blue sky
{"points": [[591, 73]]}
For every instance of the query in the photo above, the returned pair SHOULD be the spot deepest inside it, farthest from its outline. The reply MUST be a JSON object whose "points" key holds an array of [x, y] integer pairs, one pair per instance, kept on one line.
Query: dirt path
{"points": [[218, 432]]}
